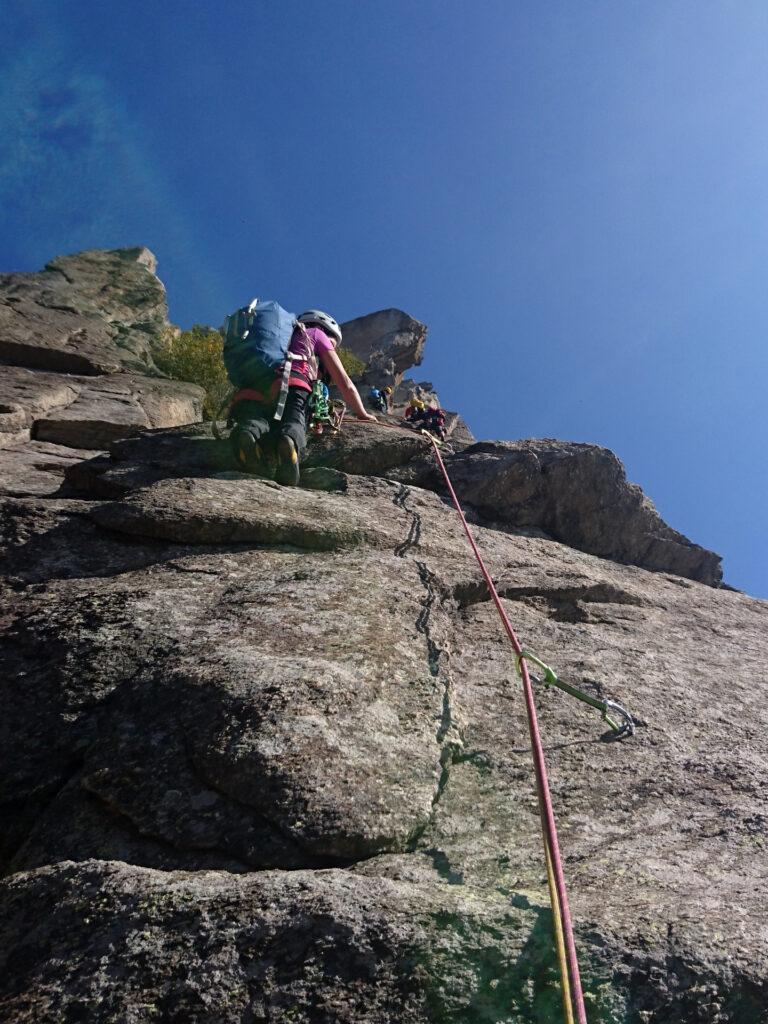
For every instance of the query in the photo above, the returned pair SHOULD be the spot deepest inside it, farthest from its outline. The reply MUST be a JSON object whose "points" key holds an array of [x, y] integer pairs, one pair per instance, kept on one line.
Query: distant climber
{"points": [[415, 409], [274, 369], [433, 420], [377, 399], [389, 398], [425, 417]]}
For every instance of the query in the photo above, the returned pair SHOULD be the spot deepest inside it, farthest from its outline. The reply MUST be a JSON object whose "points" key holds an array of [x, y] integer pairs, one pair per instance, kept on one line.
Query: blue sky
{"points": [[573, 196]]}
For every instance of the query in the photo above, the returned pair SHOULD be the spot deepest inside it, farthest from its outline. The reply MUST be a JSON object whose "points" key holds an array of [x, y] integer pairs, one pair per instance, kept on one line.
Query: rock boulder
{"points": [[76, 340], [92, 312], [575, 493], [388, 342]]}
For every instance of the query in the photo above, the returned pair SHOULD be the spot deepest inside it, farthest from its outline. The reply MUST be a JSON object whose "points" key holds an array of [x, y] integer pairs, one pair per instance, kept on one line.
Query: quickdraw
{"points": [[626, 727], [322, 411]]}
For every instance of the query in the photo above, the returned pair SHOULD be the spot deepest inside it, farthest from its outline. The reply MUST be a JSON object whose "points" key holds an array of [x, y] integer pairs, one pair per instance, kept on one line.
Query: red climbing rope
{"points": [[573, 997], [552, 847]]}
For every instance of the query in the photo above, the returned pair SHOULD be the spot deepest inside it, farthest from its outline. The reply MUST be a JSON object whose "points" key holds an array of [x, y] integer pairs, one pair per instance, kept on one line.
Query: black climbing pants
{"points": [[258, 418]]}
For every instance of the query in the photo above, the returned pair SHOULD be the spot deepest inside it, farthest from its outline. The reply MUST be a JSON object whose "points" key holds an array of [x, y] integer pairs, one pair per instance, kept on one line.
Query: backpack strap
{"points": [[284, 379], [307, 356]]}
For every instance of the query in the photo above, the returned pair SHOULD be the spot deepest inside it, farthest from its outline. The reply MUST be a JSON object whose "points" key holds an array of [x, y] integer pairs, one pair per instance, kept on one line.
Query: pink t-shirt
{"points": [[320, 342]]}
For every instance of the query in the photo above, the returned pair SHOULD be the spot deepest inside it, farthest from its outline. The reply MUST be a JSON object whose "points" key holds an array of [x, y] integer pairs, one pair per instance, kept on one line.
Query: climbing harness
{"points": [[323, 413], [603, 706]]}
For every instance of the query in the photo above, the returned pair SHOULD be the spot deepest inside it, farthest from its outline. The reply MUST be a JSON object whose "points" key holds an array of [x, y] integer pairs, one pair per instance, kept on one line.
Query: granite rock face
{"points": [[76, 353], [265, 759], [305, 699], [577, 494], [37, 468], [89, 412], [93, 312], [272, 946]]}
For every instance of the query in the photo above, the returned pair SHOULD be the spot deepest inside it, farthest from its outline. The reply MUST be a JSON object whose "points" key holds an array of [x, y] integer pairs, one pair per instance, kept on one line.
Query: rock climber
{"points": [[377, 399], [389, 398], [415, 409], [433, 420], [256, 434]]}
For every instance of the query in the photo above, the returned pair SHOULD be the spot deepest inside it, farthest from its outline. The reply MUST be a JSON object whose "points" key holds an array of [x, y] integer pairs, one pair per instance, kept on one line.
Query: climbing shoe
{"points": [[247, 451], [287, 463]]}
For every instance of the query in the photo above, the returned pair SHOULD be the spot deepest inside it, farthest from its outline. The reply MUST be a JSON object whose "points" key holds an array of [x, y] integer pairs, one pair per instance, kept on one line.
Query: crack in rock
{"points": [[235, 865], [45, 799], [424, 622], [448, 736], [413, 537], [476, 592], [562, 604]]}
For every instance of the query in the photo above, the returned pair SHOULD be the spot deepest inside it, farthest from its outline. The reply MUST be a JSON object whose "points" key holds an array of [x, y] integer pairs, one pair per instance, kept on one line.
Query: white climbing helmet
{"points": [[327, 323]]}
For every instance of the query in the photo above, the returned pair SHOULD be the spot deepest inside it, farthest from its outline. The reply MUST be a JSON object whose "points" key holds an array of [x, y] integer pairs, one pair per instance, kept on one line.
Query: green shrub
{"points": [[196, 355], [354, 366]]}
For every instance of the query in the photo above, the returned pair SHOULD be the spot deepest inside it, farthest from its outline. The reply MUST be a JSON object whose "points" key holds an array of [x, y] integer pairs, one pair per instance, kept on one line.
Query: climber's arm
{"points": [[340, 378]]}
